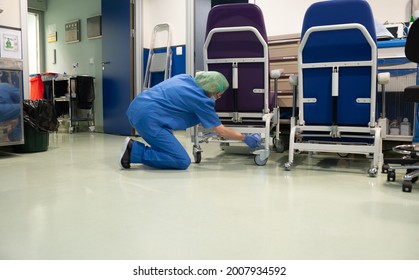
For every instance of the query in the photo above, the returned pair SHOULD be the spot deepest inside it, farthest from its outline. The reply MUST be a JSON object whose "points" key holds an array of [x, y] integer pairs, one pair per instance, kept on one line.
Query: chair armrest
{"points": [[293, 80], [276, 73], [383, 78]]}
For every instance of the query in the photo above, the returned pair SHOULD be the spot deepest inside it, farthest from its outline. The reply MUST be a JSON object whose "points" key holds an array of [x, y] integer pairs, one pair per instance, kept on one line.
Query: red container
{"points": [[37, 87]]}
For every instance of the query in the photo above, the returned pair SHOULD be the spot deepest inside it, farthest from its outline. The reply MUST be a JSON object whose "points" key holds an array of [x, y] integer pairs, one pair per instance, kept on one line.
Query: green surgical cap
{"points": [[211, 81]]}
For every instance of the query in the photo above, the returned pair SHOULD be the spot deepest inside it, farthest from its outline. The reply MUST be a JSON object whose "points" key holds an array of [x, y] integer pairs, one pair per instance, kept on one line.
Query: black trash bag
{"points": [[85, 92], [40, 114]]}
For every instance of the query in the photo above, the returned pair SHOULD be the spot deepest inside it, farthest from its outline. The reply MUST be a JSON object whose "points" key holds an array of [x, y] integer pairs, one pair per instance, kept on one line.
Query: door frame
{"points": [[139, 47]]}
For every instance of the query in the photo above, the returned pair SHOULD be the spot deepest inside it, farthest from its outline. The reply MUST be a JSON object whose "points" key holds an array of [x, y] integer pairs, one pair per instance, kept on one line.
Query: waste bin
{"points": [[39, 121], [35, 140]]}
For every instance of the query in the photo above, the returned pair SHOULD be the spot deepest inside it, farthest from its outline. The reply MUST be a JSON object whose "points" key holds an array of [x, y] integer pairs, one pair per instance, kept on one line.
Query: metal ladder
{"points": [[160, 62]]}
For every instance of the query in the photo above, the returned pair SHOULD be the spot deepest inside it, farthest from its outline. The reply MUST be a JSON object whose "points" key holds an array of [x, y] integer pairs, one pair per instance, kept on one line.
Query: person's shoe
{"points": [[125, 157]]}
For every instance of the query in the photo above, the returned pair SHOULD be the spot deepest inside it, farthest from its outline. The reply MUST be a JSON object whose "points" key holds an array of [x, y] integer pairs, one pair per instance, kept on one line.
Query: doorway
{"points": [[202, 8], [118, 61]]}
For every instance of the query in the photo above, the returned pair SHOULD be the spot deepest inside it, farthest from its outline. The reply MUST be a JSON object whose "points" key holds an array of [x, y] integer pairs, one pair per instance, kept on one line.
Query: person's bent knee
{"points": [[183, 164]]}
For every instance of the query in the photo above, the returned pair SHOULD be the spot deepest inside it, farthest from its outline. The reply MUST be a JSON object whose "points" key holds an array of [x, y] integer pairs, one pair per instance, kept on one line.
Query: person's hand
{"points": [[252, 140]]}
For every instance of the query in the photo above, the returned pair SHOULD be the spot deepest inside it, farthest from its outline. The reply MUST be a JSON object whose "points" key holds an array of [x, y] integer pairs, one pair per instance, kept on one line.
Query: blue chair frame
{"points": [[337, 82]]}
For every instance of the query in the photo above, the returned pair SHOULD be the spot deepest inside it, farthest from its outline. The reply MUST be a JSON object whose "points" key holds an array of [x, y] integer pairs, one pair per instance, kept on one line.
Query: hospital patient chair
{"points": [[337, 75], [236, 46], [410, 159]]}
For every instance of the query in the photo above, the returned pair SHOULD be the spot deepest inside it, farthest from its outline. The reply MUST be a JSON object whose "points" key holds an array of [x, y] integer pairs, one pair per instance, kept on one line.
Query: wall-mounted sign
{"points": [[11, 46], [94, 27], [52, 33], [72, 31]]}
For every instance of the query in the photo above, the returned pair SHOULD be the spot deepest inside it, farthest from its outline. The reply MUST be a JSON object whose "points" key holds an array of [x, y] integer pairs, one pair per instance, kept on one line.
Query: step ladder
{"points": [[158, 62]]}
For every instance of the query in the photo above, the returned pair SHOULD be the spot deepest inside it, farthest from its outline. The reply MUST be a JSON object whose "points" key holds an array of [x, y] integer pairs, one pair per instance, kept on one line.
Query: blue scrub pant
{"points": [[165, 151]]}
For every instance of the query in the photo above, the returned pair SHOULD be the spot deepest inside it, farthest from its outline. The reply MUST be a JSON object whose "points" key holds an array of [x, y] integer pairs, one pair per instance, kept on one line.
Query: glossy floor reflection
{"points": [[73, 202]]}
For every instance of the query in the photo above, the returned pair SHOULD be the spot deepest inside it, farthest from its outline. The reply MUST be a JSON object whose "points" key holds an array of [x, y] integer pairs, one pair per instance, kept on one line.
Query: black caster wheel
{"points": [[196, 151], [278, 144], [197, 157], [384, 168], [407, 186], [391, 176]]}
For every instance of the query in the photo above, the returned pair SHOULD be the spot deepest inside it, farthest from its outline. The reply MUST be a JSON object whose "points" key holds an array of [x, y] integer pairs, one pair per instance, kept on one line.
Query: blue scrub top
{"points": [[177, 103]]}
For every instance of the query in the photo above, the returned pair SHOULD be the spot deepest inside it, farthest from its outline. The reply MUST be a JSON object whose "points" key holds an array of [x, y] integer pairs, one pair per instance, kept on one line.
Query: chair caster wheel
{"points": [[278, 144], [384, 168], [197, 157], [287, 166], [391, 176], [372, 172], [196, 154], [407, 186], [259, 161]]}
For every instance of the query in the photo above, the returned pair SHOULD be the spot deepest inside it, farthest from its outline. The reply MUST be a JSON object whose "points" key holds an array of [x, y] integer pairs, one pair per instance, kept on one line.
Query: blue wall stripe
{"points": [[178, 63]]}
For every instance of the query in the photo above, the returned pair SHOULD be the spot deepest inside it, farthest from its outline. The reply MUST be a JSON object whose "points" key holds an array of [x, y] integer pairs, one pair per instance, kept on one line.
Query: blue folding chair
{"points": [[337, 81]]}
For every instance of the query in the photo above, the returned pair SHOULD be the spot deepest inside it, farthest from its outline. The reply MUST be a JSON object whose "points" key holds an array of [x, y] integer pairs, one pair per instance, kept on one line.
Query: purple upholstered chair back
{"points": [[245, 44]]}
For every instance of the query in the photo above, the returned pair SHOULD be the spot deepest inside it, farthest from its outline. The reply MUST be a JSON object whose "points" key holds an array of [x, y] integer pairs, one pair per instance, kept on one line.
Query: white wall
{"points": [[164, 11], [285, 17], [281, 16], [11, 13], [392, 11], [14, 15]]}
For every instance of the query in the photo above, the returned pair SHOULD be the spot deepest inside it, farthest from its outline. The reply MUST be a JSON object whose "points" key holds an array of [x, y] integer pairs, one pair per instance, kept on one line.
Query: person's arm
{"points": [[226, 132]]}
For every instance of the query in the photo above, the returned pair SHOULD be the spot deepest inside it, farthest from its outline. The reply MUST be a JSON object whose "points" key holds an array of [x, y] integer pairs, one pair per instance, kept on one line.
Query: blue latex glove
{"points": [[252, 140]]}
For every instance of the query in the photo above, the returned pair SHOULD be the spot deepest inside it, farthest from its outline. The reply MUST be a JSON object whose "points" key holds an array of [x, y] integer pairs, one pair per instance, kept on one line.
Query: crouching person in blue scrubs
{"points": [[176, 104]]}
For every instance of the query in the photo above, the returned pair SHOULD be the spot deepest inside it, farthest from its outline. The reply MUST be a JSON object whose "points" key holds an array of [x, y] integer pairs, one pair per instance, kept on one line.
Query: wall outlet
{"points": [[179, 51]]}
